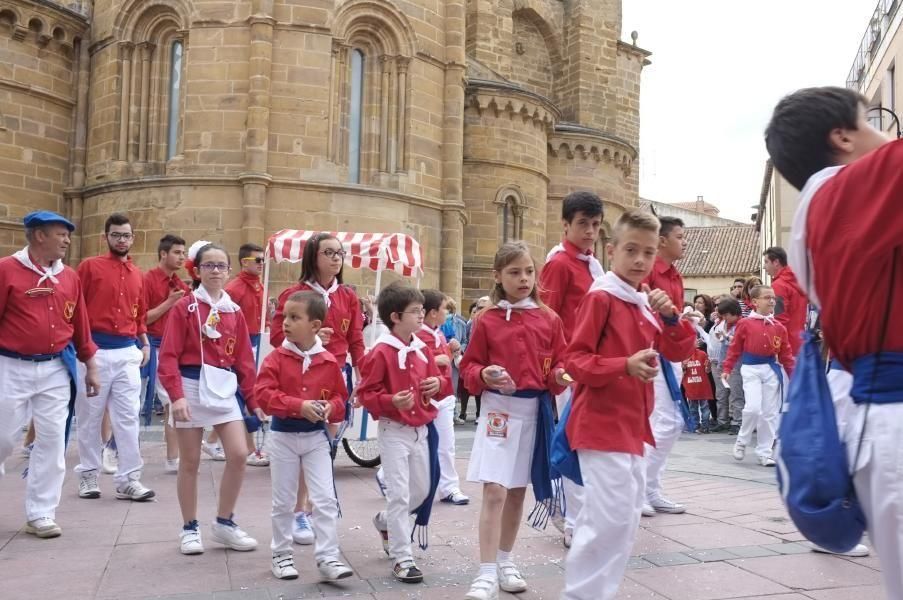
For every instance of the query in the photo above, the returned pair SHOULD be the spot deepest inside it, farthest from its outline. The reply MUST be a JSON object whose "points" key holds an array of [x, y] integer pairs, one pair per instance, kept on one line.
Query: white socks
{"points": [[502, 556], [489, 570]]}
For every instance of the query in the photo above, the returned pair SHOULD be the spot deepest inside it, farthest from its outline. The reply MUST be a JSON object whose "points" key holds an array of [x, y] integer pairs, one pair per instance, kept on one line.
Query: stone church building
{"points": [[461, 122]]}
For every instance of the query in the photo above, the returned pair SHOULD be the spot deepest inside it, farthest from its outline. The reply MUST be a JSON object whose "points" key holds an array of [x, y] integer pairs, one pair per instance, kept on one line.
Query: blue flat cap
{"points": [[46, 217]]}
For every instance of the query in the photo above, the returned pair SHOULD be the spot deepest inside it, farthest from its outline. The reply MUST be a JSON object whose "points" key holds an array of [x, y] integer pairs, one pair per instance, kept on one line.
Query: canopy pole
{"points": [[266, 298]]}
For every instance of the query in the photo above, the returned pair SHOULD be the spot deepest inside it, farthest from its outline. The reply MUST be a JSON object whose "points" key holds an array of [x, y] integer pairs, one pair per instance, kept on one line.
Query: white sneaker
{"points": [[87, 485], [510, 579], [456, 498], [171, 465], [109, 459], [302, 532], [258, 459], [231, 536], [44, 528], [858, 551], [648, 511], [284, 566], [133, 490], [766, 461], [484, 587], [190, 542], [333, 570], [664, 505], [214, 451], [739, 450]]}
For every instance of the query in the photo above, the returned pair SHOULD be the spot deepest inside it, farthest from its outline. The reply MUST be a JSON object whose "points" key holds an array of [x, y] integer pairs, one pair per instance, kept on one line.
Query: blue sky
{"points": [[718, 68]]}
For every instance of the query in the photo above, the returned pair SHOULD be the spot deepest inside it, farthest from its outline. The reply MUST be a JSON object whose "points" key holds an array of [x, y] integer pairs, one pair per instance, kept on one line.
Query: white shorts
{"points": [[200, 416], [503, 446]]}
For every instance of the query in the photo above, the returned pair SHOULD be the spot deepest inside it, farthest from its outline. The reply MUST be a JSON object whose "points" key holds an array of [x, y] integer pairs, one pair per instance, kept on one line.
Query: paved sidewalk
{"points": [[734, 542]]}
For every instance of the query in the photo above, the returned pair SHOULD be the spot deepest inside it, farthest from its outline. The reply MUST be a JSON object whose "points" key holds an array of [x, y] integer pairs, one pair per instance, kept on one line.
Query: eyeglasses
{"points": [[248, 259], [214, 267], [120, 236], [330, 253], [416, 311]]}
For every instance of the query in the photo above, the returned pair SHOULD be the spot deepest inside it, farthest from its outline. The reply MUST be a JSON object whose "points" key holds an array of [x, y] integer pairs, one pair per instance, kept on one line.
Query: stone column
{"points": [[453, 216], [402, 107], [78, 152], [385, 71], [125, 90], [255, 179], [147, 51]]}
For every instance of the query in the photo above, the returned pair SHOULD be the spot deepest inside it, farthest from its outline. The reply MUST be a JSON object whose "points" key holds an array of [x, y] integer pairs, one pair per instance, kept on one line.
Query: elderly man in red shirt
{"points": [[792, 304], [114, 297], [43, 326]]}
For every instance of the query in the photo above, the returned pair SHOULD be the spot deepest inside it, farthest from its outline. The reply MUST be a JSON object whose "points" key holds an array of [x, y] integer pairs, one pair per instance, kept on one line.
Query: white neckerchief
{"points": [[224, 305], [50, 273], [767, 318], [416, 347], [798, 254], [595, 267], [307, 355], [437, 336], [527, 303], [622, 290], [324, 292]]}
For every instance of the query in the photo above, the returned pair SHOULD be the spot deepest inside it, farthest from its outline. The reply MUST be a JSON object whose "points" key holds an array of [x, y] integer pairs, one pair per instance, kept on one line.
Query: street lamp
{"points": [[892, 116]]}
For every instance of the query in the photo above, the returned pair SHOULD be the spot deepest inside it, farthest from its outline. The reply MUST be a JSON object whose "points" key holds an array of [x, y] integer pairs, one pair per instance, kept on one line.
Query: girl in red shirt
{"points": [[207, 329], [514, 359]]}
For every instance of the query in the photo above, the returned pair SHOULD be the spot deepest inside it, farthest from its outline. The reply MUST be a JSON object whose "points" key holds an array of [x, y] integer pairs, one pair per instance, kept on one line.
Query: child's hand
{"points": [[454, 346], [327, 410], [725, 377], [403, 400], [494, 377], [443, 360], [312, 411], [325, 334], [660, 302], [643, 365], [562, 378], [429, 387]]}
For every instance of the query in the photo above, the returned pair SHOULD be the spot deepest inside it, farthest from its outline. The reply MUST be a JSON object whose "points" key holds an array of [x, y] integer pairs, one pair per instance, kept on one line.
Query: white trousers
{"points": [[607, 526], [667, 422], [879, 486], [42, 390], [573, 493], [406, 464], [291, 455], [762, 390], [445, 425], [120, 393]]}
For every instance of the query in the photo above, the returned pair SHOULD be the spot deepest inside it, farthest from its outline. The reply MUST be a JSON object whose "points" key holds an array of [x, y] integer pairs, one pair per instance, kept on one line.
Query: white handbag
{"points": [[216, 387]]}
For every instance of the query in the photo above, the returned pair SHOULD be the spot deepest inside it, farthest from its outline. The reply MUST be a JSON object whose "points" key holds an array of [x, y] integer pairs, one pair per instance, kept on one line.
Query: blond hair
{"points": [[757, 290], [506, 255], [635, 219]]}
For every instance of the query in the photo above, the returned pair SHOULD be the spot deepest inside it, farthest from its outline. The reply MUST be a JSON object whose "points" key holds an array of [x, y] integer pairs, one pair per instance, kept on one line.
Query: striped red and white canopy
{"points": [[375, 251]]}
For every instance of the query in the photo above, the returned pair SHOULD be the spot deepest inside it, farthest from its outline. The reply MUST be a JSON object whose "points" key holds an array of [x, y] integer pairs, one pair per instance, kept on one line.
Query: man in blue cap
{"points": [[43, 327]]}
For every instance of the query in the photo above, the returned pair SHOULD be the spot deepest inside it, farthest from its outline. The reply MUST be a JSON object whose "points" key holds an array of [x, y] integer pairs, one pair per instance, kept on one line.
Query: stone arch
{"points": [[510, 206], [9, 16], [535, 54], [136, 14], [377, 20]]}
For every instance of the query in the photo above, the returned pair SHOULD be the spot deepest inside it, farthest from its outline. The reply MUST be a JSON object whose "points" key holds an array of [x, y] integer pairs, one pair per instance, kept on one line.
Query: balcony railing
{"points": [[878, 29]]}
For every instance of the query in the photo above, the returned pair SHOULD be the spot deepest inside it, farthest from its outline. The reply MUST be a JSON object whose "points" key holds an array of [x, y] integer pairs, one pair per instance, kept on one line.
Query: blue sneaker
{"points": [[302, 532], [381, 482]]}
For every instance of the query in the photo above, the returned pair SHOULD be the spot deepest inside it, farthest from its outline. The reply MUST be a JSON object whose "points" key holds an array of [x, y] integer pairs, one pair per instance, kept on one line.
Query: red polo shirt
{"points": [[666, 277], [563, 283], [114, 295], [794, 305], [42, 322], [281, 387], [436, 351], [246, 290], [157, 287], [759, 337]]}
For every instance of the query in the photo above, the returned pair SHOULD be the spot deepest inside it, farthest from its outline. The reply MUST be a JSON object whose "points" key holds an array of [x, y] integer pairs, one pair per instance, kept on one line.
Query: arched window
{"points": [[175, 96], [355, 116], [510, 205]]}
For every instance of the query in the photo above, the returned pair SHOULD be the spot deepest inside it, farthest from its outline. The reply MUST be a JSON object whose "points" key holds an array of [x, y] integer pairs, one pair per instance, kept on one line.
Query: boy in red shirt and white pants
{"points": [[609, 423]]}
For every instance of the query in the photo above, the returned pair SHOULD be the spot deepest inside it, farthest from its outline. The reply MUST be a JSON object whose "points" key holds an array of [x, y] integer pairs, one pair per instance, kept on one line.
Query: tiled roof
{"points": [[721, 251]]}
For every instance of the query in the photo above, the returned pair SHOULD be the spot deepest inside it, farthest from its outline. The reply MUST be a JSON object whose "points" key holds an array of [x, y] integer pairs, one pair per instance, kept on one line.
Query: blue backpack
{"points": [[813, 471]]}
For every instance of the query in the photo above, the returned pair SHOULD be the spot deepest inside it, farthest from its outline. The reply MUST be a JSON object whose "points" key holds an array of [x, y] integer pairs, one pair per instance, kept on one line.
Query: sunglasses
{"points": [[248, 259]]}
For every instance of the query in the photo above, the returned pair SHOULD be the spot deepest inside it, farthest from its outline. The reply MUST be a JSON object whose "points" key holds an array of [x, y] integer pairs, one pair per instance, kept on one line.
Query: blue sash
{"points": [[255, 345], [758, 359], [564, 459], [875, 383], [150, 372], [674, 389], [422, 512], [252, 422], [295, 425], [108, 341]]}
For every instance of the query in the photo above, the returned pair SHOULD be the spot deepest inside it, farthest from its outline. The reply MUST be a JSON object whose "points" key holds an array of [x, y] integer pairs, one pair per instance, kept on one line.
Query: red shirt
{"points": [[530, 347], [343, 316], [381, 379], [114, 295], [611, 409], [182, 347], [436, 351], [759, 337], [795, 306], [666, 277], [853, 226], [46, 323], [563, 283], [157, 286], [696, 379], [247, 292], [281, 387]]}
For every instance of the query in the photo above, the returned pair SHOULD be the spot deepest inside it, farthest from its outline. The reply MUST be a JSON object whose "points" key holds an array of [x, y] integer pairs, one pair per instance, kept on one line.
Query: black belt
{"points": [[29, 357]]}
